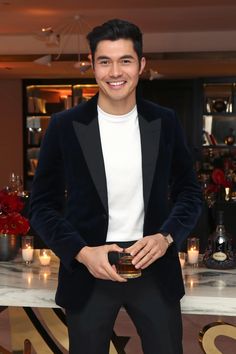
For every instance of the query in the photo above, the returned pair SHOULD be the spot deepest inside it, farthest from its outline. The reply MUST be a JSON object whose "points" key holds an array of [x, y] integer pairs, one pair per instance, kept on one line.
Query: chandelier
{"points": [[71, 33]]}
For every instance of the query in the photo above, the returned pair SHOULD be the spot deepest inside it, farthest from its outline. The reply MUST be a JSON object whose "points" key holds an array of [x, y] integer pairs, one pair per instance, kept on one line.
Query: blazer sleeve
{"points": [[185, 191], [48, 199]]}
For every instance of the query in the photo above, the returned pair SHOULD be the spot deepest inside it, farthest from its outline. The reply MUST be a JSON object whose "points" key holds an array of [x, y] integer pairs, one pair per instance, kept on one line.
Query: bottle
{"points": [[219, 253]]}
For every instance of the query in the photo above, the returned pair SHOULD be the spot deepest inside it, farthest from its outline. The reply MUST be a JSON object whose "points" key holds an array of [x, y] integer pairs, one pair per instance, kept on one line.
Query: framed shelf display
{"points": [[42, 98], [219, 114], [217, 168]]}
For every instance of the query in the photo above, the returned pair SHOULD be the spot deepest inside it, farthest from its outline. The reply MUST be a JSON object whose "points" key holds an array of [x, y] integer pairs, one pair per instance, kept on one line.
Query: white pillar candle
{"points": [[193, 250], [193, 256], [27, 254]]}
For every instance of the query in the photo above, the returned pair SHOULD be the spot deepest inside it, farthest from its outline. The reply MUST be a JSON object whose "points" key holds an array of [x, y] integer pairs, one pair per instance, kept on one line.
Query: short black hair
{"points": [[113, 30]]}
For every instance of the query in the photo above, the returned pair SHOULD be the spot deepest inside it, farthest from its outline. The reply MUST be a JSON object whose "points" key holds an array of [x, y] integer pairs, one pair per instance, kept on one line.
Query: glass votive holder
{"points": [[182, 258], [44, 257], [27, 246], [193, 250]]}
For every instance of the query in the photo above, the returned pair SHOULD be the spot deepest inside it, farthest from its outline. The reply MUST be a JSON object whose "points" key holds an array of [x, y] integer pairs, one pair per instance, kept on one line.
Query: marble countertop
{"points": [[28, 285], [208, 291]]}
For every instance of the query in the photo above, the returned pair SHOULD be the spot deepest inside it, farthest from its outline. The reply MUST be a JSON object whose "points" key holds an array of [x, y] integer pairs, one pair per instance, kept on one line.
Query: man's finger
{"points": [[136, 247], [113, 275], [114, 248]]}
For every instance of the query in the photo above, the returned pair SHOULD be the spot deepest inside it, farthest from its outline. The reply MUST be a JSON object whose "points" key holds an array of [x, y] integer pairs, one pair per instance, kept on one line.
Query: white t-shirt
{"points": [[121, 147]]}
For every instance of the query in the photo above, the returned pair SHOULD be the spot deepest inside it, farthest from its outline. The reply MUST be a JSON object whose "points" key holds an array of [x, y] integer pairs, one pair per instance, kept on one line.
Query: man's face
{"points": [[117, 69]]}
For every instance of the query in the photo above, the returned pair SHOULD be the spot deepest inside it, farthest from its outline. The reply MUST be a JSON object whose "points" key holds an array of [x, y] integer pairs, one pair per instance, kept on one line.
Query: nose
{"points": [[115, 70]]}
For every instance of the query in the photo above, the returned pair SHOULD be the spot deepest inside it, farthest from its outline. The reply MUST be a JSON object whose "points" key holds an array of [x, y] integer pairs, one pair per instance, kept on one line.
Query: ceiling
{"points": [[182, 38]]}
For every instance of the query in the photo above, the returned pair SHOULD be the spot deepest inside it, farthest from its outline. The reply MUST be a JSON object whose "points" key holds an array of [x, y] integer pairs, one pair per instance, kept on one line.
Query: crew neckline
{"points": [[116, 118]]}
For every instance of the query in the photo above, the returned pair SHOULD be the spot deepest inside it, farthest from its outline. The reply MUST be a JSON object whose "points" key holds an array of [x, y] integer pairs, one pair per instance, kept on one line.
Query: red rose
{"points": [[10, 202], [218, 176], [11, 221]]}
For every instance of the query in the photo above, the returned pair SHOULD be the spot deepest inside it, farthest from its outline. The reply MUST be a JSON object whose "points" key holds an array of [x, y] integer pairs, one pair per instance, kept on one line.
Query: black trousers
{"points": [[158, 322]]}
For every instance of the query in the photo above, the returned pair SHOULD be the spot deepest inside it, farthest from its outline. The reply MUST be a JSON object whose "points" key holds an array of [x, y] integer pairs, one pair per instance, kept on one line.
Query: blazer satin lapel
{"points": [[89, 140], [150, 139]]}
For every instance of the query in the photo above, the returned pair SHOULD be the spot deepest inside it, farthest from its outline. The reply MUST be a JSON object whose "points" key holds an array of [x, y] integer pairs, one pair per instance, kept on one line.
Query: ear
{"points": [[142, 65], [91, 60]]}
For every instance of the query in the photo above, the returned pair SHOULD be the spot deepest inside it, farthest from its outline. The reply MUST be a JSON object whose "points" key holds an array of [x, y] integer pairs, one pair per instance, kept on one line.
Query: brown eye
{"points": [[126, 61], [103, 62]]}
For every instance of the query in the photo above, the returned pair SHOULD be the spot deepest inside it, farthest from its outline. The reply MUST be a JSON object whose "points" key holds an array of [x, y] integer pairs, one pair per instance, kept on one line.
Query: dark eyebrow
{"points": [[102, 57], [127, 57]]}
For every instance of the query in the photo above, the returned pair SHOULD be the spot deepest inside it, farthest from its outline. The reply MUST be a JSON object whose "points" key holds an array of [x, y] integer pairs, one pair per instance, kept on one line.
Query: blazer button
{"points": [[104, 216]]}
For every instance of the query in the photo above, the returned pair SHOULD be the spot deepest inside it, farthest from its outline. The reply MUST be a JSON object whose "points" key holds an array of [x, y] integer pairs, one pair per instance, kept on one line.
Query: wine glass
{"points": [[15, 183]]}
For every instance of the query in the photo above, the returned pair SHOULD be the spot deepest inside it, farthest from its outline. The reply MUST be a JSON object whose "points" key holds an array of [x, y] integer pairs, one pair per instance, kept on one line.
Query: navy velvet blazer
{"points": [[71, 160]]}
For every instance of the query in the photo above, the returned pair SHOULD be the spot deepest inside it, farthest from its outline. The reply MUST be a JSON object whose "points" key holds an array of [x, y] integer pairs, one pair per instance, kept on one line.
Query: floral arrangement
{"points": [[11, 220], [215, 190], [219, 180]]}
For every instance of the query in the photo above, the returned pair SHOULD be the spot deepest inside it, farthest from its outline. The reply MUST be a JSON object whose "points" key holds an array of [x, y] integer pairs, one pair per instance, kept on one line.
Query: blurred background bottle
{"points": [[219, 253]]}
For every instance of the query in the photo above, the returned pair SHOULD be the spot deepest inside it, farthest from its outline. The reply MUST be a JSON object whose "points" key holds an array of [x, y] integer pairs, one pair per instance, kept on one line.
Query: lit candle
{"points": [[27, 243], [27, 254], [193, 255], [44, 257], [193, 250]]}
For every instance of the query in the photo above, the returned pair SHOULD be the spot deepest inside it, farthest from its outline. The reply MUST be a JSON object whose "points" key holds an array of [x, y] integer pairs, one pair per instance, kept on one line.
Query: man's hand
{"points": [[96, 260], [147, 250]]}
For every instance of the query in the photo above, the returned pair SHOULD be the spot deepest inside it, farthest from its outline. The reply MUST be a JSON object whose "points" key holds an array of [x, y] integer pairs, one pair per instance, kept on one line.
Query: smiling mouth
{"points": [[116, 84]]}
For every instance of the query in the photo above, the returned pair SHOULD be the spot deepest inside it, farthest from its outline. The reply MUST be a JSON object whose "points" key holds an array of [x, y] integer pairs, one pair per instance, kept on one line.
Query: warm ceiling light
{"points": [[61, 36], [154, 75], [52, 38], [45, 60], [46, 29], [83, 66]]}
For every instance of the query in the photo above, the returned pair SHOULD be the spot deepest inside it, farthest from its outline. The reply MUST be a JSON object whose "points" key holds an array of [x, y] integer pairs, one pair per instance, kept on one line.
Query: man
{"points": [[119, 158]]}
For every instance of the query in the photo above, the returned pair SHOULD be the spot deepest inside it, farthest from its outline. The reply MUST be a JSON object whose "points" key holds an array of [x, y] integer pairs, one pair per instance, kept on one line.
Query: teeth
{"points": [[116, 83]]}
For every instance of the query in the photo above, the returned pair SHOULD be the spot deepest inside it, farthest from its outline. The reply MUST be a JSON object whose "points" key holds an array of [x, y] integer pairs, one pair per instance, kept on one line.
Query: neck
{"points": [[116, 107]]}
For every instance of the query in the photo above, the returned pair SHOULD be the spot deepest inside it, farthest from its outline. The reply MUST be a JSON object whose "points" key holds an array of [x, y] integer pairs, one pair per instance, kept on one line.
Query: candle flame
{"points": [[193, 248]]}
